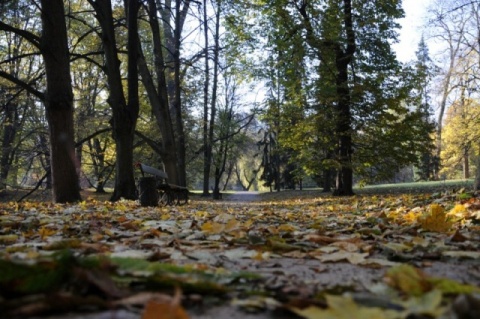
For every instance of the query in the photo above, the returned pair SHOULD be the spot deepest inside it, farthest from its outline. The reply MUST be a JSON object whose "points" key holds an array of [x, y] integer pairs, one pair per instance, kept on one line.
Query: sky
{"points": [[411, 32]]}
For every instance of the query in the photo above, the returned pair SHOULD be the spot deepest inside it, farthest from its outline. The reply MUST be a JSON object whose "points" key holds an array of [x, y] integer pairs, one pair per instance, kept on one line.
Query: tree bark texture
{"points": [[343, 117], [9, 133], [207, 149], [124, 115], [344, 185], [59, 102], [159, 97]]}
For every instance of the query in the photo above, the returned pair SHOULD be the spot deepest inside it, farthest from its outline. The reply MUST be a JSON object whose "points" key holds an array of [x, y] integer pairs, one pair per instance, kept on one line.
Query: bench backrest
{"points": [[153, 171]]}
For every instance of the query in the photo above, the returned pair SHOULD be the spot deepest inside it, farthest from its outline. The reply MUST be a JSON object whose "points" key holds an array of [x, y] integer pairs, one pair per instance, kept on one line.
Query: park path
{"points": [[242, 196]]}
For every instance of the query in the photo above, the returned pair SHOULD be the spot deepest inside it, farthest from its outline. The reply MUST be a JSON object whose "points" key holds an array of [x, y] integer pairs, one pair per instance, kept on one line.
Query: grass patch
{"points": [[419, 187]]}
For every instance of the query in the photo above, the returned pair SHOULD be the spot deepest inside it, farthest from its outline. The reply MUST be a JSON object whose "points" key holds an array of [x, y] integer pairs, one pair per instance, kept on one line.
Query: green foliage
{"points": [[461, 137], [388, 129]]}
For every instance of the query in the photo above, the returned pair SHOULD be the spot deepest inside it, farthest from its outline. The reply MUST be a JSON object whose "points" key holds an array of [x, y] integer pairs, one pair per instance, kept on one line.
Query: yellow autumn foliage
{"points": [[436, 220]]}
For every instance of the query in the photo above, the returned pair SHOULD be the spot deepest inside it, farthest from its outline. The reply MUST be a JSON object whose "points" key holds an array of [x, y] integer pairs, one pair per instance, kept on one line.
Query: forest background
{"points": [[247, 95], [234, 94]]}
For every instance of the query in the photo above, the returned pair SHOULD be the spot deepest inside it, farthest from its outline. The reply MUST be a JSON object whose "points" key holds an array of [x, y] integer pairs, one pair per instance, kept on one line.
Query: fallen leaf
{"points": [[143, 298], [340, 307], [458, 237], [408, 280], [165, 309], [436, 220], [428, 304], [353, 258], [213, 228], [462, 254]]}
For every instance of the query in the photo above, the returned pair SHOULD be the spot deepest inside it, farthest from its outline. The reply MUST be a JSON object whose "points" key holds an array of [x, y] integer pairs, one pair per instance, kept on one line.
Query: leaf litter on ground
{"points": [[322, 250]]}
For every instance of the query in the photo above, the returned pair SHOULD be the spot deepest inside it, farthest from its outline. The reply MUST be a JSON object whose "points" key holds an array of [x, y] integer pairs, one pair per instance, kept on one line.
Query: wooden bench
{"points": [[166, 193]]}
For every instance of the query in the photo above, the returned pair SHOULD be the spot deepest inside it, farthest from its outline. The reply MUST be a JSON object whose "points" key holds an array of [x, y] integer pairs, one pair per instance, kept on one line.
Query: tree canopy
{"points": [[152, 81]]}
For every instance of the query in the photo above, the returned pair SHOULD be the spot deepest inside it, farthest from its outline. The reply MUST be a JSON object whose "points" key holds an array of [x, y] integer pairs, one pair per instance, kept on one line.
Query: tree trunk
{"points": [[327, 180], [124, 116], [173, 45], [159, 96], [207, 147], [343, 58], [9, 133], [125, 120], [229, 176], [220, 165], [466, 165], [343, 116], [476, 185], [97, 154], [45, 159], [59, 102], [177, 102], [344, 183], [210, 127], [79, 159]]}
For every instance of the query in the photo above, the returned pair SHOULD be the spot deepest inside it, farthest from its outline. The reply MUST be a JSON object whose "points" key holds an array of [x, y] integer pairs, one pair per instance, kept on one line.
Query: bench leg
{"points": [[172, 199], [163, 198], [147, 192], [183, 197]]}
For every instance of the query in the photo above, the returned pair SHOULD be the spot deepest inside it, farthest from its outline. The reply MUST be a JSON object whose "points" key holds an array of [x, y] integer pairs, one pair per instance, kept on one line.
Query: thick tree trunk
{"points": [[216, 187], [65, 183], [343, 115], [59, 102], [124, 178], [159, 96], [124, 116], [177, 106], [344, 183], [172, 34], [125, 120], [327, 180]]}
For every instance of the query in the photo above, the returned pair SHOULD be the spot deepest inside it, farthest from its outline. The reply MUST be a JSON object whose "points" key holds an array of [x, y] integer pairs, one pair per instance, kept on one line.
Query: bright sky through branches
{"points": [[412, 25]]}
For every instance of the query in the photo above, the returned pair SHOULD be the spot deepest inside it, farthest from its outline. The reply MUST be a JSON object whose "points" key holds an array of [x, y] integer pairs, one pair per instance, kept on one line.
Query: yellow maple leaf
{"points": [[408, 279], [212, 227], [411, 216], [458, 211], [232, 225], [108, 232], [344, 307], [249, 223], [201, 214], [8, 239], [436, 220], [46, 232], [286, 228]]}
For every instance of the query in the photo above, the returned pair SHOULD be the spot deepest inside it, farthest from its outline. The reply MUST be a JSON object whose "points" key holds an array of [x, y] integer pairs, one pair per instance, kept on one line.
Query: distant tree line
{"points": [[89, 87]]}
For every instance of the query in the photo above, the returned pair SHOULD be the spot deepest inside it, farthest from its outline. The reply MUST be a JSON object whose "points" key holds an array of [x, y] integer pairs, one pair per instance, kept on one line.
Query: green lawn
{"points": [[419, 187]]}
